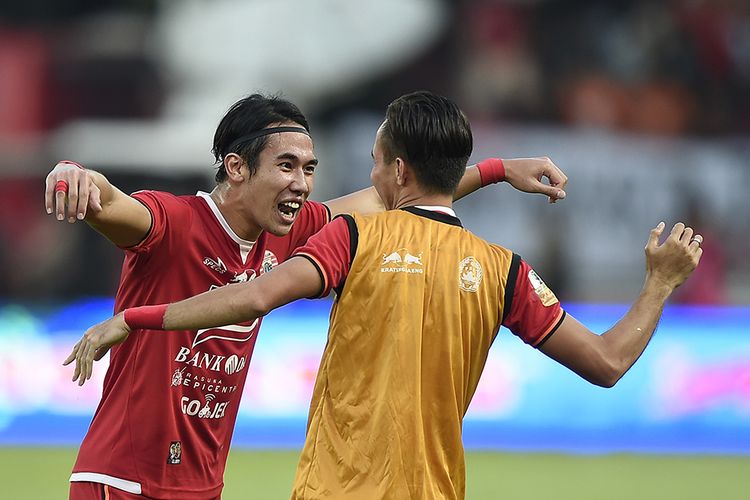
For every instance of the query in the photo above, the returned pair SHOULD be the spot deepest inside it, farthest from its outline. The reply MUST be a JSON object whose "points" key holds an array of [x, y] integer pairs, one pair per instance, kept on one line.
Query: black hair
{"points": [[248, 115], [432, 134]]}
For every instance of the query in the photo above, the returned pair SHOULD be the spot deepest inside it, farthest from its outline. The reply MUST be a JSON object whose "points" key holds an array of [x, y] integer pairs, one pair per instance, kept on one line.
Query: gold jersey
{"points": [[408, 339]]}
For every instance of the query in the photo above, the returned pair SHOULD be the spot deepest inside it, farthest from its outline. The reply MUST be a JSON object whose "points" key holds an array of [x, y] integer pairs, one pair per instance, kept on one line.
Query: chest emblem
{"points": [[269, 262], [469, 274]]}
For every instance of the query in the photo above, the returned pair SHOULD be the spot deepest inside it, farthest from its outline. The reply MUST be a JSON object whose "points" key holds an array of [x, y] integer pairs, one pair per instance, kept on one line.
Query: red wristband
{"points": [[146, 317], [68, 162], [491, 170]]}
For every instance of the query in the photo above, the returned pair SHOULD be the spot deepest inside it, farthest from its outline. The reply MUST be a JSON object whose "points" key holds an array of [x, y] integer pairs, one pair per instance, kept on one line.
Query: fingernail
{"points": [[60, 217], [49, 211], [661, 225], [71, 219], [561, 195], [80, 216]]}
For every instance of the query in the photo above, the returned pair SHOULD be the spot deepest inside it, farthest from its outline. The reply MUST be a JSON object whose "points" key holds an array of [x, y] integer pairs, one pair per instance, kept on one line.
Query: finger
{"points": [[695, 242], [687, 234], [72, 199], [72, 355], [60, 204], [654, 235], [677, 230], [49, 195], [83, 196]]}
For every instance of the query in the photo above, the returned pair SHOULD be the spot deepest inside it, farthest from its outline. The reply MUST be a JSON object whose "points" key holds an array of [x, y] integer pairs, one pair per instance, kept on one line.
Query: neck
{"points": [[413, 199], [229, 203]]}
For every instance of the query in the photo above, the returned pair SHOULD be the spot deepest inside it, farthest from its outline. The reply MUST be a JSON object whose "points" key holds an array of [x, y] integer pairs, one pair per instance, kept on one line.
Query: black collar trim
{"points": [[434, 215]]}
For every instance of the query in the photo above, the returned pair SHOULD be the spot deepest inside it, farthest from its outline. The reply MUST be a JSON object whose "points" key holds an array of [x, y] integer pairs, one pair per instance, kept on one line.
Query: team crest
{"points": [[175, 453], [541, 289], [469, 274], [269, 262]]}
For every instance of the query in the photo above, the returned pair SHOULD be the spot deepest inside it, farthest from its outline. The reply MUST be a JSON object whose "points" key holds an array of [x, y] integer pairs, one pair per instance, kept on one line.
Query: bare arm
{"points": [[294, 279], [524, 174], [91, 197], [604, 359]]}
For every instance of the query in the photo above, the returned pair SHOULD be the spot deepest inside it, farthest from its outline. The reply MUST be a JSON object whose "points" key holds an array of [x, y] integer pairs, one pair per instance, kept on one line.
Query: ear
{"points": [[233, 165], [402, 172]]}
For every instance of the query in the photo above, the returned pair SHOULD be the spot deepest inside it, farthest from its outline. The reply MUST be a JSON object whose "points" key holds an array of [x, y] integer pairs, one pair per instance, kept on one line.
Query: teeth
{"points": [[293, 204]]}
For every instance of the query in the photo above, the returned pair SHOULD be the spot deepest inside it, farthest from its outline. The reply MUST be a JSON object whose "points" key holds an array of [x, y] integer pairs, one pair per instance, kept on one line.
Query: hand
{"points": [[525, 174], [94, 344], [82, 194], [670, 263]]}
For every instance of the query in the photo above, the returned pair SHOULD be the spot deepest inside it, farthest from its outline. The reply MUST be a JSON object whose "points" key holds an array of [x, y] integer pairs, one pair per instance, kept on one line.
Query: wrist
{"points": [[659, 289], [491, 170], [145, 317]]}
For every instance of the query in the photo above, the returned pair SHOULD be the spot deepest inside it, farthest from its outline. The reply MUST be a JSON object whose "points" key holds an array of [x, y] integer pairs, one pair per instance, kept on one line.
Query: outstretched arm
{"points": [[604, 359], [294, 279], [88, 195], [524, 174]]}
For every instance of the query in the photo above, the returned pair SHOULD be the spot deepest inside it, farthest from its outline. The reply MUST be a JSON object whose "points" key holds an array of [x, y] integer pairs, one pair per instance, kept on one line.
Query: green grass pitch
{"points": [[42, 473]]}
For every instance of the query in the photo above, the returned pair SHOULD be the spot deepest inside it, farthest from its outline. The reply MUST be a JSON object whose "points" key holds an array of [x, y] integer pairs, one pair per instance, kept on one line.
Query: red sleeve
{"points": [[532, 312], [331, 251], [311, 219], [169, 213]]}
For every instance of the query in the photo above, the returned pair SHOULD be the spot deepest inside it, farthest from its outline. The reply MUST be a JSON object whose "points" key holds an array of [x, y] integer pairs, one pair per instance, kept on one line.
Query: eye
{"points": [[285, 165], [309, 169]]}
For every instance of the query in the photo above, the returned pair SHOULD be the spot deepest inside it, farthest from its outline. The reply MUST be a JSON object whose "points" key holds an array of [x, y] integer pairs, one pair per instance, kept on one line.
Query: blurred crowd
{"points": [[672, 70]]}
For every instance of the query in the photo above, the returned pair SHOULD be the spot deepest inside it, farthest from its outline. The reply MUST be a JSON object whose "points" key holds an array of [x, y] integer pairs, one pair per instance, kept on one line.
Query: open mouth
{"points": [[289, 210]]}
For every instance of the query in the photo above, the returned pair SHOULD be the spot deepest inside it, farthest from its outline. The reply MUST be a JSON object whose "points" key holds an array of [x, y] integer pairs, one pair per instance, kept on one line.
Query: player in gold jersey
{"points": [[419, 302]]}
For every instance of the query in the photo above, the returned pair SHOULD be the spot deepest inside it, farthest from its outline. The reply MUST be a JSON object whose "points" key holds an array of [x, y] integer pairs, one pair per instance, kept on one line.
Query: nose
{"points": [[300, 182]]}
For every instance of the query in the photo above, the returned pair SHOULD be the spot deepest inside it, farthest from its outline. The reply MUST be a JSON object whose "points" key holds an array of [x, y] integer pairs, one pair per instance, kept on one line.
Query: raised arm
{"points": [[294, 279], [524, 174], [88, 195], [604, 359]]}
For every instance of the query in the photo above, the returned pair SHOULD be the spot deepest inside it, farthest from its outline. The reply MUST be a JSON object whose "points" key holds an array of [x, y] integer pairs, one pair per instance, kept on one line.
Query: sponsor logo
{"points": [[269, 262], [174, 457], [541, 289], [177, 376], [217, 265], [402, 261], [214, 362], [203, 409], [469, 274]]}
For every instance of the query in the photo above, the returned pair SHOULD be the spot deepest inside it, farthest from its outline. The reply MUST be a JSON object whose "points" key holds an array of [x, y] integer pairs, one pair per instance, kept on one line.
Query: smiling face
{"points": [[273, 196]]}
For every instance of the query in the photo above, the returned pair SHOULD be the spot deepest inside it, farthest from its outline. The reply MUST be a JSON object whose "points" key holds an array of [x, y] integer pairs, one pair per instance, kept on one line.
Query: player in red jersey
{"points": [[419, 302], [165, 420]]}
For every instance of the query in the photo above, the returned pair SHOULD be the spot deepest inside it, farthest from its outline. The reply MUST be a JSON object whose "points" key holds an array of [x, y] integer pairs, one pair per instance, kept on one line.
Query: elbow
{"points": [[606, 372]]}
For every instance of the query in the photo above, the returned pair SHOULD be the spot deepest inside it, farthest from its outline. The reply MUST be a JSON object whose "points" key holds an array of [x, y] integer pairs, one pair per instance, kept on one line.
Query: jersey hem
{"points": [[115, 482]]}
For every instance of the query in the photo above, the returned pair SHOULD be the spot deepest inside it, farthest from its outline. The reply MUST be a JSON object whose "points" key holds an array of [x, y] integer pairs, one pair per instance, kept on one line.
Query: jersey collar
{"points": [[437, 213]]}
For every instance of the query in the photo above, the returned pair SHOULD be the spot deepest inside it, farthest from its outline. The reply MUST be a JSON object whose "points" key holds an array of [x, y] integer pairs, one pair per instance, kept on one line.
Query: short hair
{"points": [[432, 134], [248, 115]]}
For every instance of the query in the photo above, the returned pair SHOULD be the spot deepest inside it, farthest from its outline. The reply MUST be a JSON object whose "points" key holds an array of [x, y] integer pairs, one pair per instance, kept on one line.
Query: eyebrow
{"points": [[293, 157]]}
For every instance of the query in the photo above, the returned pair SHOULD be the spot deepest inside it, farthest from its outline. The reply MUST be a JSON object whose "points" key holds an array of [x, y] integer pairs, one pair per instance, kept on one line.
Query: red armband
{"points": [[146, 317], [68, 162], [491, 170]]}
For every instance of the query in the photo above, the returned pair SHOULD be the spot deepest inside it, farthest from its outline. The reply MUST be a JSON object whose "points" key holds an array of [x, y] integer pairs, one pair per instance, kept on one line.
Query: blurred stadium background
{"points": [[646, 105]]}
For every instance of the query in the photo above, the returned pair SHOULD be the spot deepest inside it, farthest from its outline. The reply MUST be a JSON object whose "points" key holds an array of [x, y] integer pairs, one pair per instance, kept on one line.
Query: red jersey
{"points": [[170, 399]]}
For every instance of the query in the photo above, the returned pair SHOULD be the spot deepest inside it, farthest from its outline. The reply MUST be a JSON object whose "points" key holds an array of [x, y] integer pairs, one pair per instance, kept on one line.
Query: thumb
{"points": [[101, 352], [554, 193], [653, 237], [95, 198]]}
